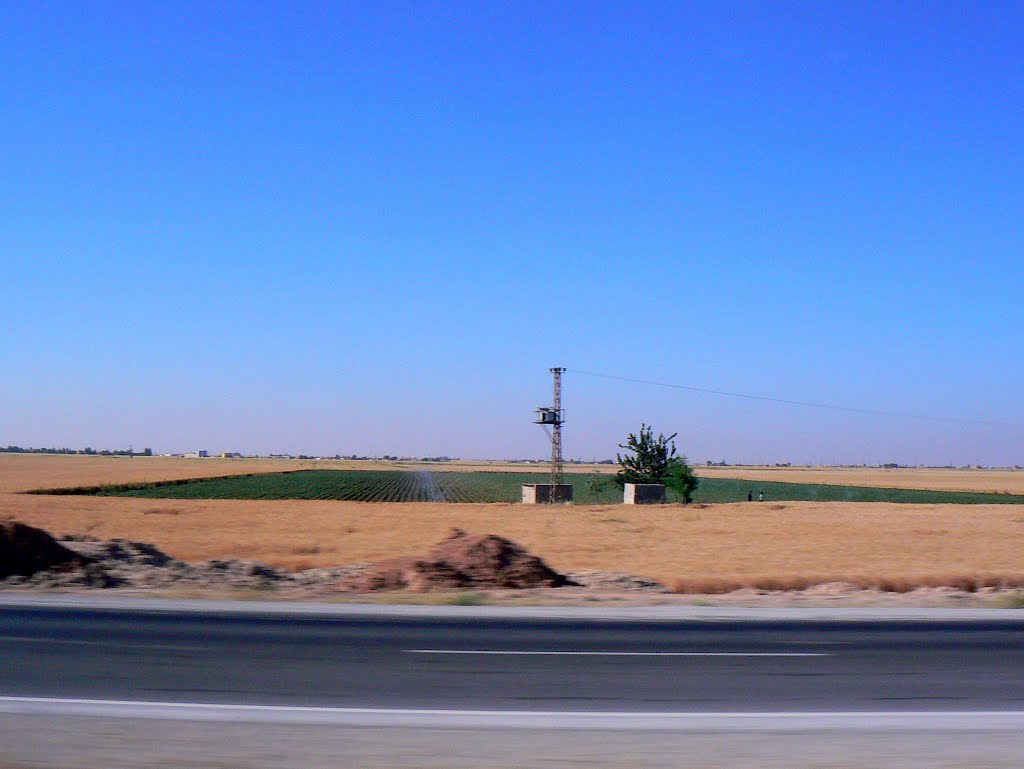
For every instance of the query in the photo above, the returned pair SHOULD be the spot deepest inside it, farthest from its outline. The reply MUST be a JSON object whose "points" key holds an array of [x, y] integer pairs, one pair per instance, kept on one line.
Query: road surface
{"points": [[944, 685], [478, 664]]}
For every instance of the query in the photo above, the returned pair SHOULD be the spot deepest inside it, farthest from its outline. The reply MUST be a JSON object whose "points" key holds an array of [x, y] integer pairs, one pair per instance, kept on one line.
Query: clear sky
{"points": [[372, 227]]}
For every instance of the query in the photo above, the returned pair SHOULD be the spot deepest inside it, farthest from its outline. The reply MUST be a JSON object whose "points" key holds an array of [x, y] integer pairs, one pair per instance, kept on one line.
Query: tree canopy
{"points": [[650, 459], [653, 460]]}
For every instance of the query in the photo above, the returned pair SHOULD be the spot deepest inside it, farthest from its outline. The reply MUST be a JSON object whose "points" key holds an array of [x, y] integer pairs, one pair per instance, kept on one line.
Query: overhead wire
{"points": [[791, 402]]}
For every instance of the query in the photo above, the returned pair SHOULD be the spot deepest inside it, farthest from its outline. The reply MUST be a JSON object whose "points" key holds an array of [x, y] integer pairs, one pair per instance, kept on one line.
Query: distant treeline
{"points": [[147, 452]]}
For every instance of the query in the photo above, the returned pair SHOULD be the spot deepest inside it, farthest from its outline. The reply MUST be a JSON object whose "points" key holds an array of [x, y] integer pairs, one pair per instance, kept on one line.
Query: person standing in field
{"points": [[750, 496], [760, 496]]}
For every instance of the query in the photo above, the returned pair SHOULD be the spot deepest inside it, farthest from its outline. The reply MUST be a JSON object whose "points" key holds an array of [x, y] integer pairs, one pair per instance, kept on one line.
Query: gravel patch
{"points": [[617, 581]]}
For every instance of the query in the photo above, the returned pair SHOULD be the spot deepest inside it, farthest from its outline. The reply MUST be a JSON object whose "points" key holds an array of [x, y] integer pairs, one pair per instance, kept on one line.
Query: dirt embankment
{"points": [[26, 550], [462, 568], [32, 558], [460, 561]]}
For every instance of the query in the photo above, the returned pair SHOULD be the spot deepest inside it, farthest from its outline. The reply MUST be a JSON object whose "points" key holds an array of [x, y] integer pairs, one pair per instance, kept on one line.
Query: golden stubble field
{"points": [[743, 542]]}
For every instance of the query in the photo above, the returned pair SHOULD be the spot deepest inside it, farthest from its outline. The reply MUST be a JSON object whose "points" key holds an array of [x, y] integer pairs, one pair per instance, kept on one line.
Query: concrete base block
{"points": [[542, 493], [643, 493]]}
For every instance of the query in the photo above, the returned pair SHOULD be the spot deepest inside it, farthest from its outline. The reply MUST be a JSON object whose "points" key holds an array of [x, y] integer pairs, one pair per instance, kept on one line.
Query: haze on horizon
{"points": [[313, 228]]}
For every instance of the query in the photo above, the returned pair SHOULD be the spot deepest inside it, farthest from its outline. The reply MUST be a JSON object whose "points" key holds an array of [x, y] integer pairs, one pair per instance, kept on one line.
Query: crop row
{"points": [[364, 486], [444, 486]]}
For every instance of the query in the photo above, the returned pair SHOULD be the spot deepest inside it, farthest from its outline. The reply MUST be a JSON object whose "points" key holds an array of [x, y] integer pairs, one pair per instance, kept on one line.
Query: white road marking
{"points": [[552, 653], [780, 721], [81, 642]]}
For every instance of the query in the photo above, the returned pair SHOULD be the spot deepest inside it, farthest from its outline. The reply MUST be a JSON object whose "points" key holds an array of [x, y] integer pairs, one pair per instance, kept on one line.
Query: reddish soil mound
{"points": [[25, 550], [491, 560], [460, 561]]}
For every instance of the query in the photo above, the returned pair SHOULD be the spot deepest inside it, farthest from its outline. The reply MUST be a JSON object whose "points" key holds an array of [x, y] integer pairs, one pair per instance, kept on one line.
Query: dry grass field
{"points": [[740, 543]]}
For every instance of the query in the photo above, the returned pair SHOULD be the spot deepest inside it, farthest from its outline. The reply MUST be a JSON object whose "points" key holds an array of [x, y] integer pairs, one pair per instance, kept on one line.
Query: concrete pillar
{"points": [[643, 493], [540, 493]]}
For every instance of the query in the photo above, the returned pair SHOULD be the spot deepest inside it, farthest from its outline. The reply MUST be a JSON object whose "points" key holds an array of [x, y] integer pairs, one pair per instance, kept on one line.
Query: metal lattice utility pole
{"points": [[556, 432], [552, 416]]}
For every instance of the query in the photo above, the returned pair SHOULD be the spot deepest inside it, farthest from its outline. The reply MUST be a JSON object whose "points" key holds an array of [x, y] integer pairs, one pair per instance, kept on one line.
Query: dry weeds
{"points": [[968, 583]]}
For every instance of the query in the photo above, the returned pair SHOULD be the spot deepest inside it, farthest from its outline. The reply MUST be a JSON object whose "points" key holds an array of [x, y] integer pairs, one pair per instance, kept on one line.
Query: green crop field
{"points": [[444, 486], [368, 486]]}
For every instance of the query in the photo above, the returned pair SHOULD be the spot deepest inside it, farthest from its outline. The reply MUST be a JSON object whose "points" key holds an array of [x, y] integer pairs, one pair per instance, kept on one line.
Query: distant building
{"points": [[198, 454]]}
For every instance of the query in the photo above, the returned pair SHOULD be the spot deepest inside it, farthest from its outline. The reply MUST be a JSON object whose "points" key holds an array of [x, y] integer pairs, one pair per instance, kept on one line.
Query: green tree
{"points": [[650, 460], [681, 479], [654, 460]]}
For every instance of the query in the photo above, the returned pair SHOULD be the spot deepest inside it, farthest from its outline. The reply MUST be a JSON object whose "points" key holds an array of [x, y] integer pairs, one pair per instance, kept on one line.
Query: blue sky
{"points": [[372, 227]]}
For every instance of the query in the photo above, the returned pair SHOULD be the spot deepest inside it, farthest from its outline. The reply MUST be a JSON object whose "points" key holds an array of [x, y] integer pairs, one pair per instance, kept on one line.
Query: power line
{"points": [[807, 404]]}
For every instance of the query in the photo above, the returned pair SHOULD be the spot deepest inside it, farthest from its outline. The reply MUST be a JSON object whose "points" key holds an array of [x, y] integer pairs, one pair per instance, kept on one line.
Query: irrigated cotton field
{"points": [[482, 487], [372, 486]]}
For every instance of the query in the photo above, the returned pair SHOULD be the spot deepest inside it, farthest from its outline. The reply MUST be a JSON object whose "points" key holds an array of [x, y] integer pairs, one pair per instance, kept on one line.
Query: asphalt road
{"points": [[511, 665]]}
